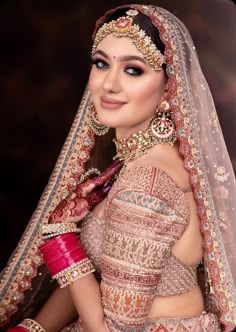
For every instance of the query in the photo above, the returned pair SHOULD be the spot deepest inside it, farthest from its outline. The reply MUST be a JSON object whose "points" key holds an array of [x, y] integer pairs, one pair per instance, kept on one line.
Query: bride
{"points": [[155, 226]]}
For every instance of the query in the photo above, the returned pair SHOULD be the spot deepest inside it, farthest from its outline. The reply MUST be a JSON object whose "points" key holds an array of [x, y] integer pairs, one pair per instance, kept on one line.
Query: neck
{"points": [[125, 132], [137, 144]]}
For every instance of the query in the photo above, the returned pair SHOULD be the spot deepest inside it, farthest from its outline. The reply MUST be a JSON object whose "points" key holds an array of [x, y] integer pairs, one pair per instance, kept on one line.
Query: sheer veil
{"points": [[206, 160]]}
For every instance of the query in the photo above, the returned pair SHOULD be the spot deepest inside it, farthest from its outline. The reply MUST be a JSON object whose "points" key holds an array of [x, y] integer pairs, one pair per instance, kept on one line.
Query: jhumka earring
{"points": [[162, 126], [94, 123]]}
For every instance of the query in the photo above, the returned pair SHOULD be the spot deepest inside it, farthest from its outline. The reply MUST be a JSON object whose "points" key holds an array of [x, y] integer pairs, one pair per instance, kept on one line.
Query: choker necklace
{"points": [[137, 144]]}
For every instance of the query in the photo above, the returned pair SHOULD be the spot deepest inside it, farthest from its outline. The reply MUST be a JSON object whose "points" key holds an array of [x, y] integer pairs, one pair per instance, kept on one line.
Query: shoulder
{"points": [[167, 160], [157, 178]]}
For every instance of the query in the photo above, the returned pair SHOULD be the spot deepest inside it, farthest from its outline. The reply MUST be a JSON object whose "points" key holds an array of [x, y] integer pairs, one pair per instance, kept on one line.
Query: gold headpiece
{"points": [[124, 27]]}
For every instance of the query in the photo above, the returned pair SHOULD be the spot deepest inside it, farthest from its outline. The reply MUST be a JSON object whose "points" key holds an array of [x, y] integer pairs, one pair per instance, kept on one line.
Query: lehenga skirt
{"points": [[206, 322]]}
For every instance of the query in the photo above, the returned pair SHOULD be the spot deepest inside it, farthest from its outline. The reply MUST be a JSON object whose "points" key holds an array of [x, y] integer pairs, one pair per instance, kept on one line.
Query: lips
{"points": [[111, 103]]}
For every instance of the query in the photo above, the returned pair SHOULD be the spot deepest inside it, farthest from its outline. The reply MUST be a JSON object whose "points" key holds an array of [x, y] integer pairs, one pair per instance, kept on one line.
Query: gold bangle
{"points": [[58, 228], [49, 236], [31, 325], [74, 272], [87, 174]]}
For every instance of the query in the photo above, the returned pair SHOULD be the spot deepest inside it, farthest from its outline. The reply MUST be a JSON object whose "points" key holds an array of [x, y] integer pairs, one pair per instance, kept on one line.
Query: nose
{"points": [[111, 82]]}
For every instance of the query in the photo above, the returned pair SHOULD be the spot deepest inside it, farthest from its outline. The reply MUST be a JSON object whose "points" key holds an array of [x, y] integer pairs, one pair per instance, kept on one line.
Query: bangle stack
{"points": [[27, 325], [74, 272], [50, 230], [65, 258]]}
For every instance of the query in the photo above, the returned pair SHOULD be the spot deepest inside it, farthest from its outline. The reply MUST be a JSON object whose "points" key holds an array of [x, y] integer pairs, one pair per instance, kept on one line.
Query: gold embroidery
{"points": [[223, 221], [176, 278], [126, 305], [221, 174], [214, 119], [146, 213], [91, 237]]}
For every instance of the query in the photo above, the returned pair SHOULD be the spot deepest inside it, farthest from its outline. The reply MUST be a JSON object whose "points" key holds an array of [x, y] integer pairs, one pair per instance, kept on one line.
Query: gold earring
{"points": [[162, 126], [94, 123]]}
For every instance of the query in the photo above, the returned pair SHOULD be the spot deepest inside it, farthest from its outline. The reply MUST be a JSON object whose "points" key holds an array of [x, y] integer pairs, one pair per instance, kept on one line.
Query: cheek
{"points": [[94, 82], [148, 94], [91, 82]]}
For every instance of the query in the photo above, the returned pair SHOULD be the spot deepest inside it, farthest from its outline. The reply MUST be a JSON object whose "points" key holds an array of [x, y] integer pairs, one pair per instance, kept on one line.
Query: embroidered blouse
{"points": [[145, 215]]}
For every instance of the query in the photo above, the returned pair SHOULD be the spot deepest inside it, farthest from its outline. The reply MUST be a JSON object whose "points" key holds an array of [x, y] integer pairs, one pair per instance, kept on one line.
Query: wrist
{"points": [[27, 325]]}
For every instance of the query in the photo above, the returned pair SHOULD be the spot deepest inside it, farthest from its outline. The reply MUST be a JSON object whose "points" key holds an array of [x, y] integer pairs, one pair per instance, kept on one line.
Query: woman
{"points": [[168, 210]]}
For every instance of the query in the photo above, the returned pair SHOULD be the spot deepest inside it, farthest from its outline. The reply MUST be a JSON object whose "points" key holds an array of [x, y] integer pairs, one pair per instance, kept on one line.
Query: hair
{"points": [[104, 149]]}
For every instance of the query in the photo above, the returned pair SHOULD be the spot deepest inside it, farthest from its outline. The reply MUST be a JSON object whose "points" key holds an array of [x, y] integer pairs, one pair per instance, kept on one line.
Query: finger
{"points": [[87, 188], [107, 174], [82, 188]]}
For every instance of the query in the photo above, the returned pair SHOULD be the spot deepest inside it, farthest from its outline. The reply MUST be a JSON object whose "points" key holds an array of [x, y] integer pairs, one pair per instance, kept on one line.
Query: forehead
{"points": [[118, 46]]}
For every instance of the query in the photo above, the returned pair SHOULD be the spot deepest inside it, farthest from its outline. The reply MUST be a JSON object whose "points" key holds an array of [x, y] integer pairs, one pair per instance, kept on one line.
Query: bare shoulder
{"points": [[167, 158]]}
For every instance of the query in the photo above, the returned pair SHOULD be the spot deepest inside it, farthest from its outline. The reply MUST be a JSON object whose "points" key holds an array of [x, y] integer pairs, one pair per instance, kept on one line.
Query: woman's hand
{"points": [[78, 203], [74, 207]]}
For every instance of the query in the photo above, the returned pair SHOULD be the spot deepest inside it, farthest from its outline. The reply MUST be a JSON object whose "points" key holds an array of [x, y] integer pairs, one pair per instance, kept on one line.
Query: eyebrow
{"points": [[123, 58]]}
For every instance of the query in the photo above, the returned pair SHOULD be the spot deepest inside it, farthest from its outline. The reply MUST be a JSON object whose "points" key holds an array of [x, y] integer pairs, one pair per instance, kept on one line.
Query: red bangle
{"points": [[63, 263], [64, 253], [27, 325], [17, 329]]}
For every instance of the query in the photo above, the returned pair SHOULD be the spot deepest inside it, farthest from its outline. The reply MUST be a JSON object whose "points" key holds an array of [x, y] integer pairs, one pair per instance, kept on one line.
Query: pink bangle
{"points": [[27, 325], [68, 239], [17, 329], [65, 258], [61, 252], [70, 252], [63, 263]]}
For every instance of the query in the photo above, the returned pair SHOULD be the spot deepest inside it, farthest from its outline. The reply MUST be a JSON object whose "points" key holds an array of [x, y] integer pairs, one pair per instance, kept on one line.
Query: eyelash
{"points": [[101, 64]]}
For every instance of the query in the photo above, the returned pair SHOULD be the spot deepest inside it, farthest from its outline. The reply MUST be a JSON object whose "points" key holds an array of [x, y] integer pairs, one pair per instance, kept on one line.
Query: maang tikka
{"points": [[125, 27], [96, 126]]}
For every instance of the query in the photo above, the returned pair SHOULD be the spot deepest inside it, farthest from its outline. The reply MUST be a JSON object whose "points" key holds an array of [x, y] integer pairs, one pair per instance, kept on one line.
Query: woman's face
{"points": [[125, 88]]}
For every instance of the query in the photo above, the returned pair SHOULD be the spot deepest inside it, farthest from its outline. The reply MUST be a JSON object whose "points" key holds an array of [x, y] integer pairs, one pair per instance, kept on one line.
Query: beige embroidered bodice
{"points": [[145, 215]]}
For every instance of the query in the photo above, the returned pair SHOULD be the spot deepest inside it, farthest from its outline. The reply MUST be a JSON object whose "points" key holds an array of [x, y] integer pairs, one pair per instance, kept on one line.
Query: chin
{"points": [[111, 121], [112, 124]]}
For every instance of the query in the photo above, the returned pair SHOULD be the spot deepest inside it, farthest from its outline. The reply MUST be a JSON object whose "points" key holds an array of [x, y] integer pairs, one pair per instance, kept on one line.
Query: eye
{"points": [[99, 63], [134, 71]]}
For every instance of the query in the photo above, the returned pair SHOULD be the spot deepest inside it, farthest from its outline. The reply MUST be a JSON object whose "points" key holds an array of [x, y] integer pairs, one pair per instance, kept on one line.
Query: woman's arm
{"points": [[58, 311], [67, 262], [85, 291], [86, 296]]}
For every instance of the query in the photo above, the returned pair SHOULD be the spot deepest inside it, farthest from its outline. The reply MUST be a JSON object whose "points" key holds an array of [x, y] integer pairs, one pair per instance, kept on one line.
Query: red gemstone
{"points": [[124, 22]]}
